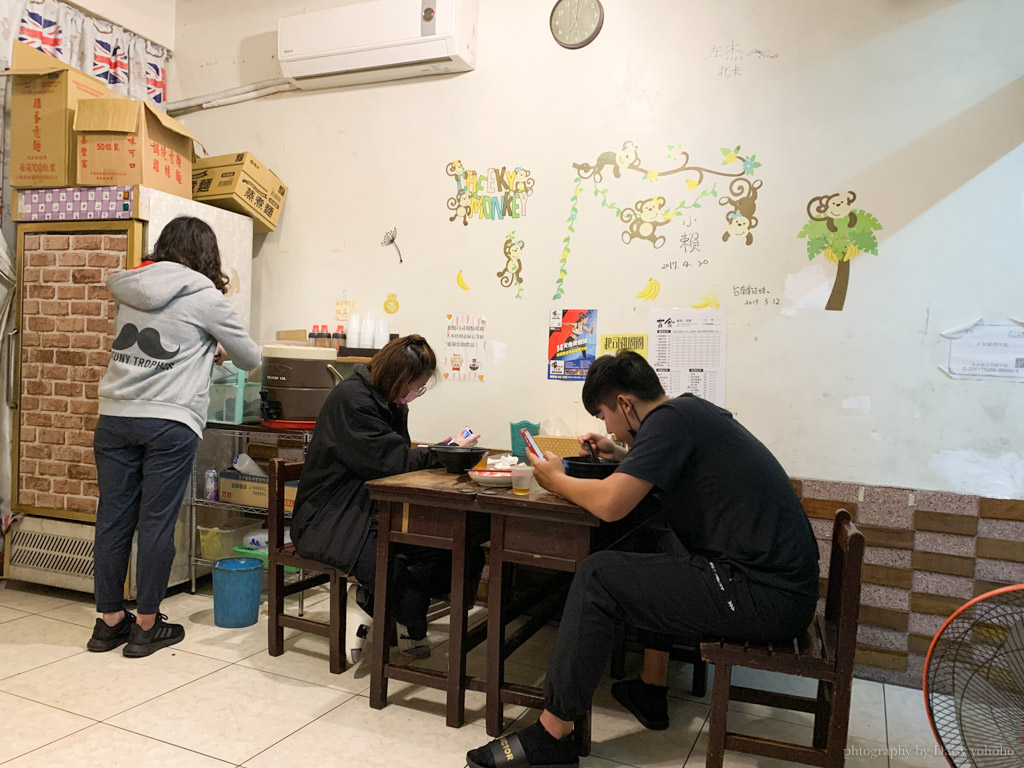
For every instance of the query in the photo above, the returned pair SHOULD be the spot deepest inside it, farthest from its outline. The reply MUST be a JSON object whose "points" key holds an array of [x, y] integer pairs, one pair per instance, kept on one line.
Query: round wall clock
{"points": [[575, 23]]}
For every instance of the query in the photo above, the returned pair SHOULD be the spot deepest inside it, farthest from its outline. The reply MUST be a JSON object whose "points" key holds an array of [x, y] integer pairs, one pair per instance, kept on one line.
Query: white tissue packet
{"points": [[504, 461]]}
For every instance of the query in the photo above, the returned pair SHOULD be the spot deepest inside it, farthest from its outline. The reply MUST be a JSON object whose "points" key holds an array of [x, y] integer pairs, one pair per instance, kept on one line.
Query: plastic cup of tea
{"points": [[522, 475]]}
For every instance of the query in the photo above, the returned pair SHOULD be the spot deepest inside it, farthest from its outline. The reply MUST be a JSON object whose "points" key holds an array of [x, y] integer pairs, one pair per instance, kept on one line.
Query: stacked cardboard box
{"points": [[240, 183]]}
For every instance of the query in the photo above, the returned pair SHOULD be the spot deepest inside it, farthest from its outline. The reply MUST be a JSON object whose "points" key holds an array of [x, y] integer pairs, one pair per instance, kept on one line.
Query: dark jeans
{"points": [[667, 594], [421, 573], [142, 468]]}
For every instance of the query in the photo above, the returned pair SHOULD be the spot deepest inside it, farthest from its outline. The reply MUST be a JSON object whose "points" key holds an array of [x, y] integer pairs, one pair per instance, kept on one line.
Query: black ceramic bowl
{"points": [[458, 459], [589, 467]]}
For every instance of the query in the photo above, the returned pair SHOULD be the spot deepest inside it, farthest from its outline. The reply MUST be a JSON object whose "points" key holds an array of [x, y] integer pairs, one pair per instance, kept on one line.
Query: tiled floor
{"points": [[217, 699]]}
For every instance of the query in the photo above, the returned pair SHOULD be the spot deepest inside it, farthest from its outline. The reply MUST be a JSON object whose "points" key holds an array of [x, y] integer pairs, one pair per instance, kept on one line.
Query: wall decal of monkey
{"points": [[462, 204], [626, 157], [832, 208], [455, 169], [643, 220], [741, 219], [512, 272], [522, 183], [840, 234]]}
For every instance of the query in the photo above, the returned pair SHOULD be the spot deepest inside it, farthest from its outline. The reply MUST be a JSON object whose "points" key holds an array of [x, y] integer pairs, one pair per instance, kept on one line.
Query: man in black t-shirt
{"points": [[740, 560]]}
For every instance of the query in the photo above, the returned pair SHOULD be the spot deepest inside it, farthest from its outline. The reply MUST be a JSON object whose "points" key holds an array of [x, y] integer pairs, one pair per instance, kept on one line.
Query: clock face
{"points": [[575, 23]]}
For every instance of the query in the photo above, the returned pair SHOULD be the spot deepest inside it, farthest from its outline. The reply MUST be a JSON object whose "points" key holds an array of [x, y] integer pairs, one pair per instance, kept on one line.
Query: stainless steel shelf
{"points": [[228, 505]]}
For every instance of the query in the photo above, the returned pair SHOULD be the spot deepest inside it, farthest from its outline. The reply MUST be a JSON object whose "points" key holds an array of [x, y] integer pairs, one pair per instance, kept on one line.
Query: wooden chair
{"points": [[280, 557], [824, 652]]}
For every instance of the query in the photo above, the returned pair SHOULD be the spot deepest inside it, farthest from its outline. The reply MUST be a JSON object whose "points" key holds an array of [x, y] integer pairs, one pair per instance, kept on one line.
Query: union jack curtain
{"points": [[125, 62]]}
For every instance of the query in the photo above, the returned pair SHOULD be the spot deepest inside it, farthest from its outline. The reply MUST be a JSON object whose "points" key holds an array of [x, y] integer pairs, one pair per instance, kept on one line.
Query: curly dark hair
{"points": [[191, 242]]}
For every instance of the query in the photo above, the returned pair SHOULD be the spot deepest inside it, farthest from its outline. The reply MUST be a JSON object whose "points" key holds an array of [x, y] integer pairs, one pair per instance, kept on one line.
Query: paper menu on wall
{"points": [[687, 349], [991, 350]]}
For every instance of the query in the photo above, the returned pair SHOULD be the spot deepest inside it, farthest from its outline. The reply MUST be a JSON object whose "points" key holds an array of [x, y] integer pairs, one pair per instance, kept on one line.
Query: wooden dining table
{"points": [[435, 509]]}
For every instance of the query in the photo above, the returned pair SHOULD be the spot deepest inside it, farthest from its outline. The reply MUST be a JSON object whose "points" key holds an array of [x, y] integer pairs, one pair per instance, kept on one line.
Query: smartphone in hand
{"points": [[466, 432], [530, 442]]}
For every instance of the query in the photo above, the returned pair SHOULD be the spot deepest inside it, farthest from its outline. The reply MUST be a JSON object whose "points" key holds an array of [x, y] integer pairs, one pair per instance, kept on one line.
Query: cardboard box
{"points": [[242, 184], [127, 141], [251, 491], [45, 94]]}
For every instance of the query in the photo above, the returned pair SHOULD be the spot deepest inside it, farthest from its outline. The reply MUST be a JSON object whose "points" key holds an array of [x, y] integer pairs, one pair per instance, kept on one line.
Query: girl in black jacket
{"points": [[362, 434]]}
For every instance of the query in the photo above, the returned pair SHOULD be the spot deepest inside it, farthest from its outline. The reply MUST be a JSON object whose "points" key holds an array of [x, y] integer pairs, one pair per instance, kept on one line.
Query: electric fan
{"points": [[974, 682]]}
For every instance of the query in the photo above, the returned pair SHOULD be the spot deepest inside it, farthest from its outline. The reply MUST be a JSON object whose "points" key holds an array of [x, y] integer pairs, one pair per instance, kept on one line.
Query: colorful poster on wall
{"points": [[572, 343], [635, 342], [464, 348]]}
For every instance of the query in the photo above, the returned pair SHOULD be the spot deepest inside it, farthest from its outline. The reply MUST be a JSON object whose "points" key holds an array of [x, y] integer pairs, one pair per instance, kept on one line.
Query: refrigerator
{"points": [[69, 241]]}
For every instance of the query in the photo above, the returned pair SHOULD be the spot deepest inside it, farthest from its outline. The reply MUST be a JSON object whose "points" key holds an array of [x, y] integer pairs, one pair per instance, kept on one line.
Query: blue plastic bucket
{"points": [[237, 582]]}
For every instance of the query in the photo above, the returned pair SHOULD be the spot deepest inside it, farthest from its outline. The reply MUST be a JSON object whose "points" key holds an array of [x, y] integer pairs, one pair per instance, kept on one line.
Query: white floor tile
{"points": [[233, 714], [33, 641], [355, 735], [35, 598], [82, 614], [9, 614], [909, 728], [306, 657], [102, 745], [204, 637], [30, 725], [99, 685]]}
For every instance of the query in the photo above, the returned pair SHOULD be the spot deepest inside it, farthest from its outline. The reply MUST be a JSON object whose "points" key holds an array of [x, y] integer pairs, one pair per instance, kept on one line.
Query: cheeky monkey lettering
{"points": [[512, 272], [626, 157], [496, 194], [832, 208], [741, 218], [643, 220]]}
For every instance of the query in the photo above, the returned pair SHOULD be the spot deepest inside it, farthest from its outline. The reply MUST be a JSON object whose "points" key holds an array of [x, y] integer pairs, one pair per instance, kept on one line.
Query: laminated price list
{"points": [[688, 352]]}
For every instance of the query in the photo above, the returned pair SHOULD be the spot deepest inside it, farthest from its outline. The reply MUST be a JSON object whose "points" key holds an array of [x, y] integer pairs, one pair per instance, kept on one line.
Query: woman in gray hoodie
{"points": [[171, 317]]}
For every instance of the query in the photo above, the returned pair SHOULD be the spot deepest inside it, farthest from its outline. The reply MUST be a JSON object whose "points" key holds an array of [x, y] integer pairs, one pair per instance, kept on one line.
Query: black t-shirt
{"points": [[724, 494]]}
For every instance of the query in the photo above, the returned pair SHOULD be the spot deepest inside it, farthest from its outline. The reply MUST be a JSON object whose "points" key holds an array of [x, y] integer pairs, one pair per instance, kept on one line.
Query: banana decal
{"points": [[460, 282], [650, 291], [708, 302]]}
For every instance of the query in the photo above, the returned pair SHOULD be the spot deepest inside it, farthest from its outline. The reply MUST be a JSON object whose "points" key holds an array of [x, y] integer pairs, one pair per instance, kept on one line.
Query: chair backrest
{"points": [[842, 601], [281, 472]]}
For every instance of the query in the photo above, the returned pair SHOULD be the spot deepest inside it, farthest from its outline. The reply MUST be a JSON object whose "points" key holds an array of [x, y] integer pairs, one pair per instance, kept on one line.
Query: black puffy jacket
{"points": [[359, 436]]}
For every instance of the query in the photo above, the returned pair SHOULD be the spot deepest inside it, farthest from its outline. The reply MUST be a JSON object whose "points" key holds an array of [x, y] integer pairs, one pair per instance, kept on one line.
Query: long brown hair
{"points": [[191, 242], [401, 362]]}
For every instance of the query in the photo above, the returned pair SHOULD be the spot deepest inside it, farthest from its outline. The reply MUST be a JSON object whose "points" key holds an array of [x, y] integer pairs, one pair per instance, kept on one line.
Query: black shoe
{"points": [[160, 635], [647, 703], [107, 638]]}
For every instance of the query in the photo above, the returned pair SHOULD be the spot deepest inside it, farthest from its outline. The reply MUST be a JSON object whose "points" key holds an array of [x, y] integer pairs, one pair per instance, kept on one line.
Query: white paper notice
{"points": [[687, 349], [464, 348], [985, 349]]}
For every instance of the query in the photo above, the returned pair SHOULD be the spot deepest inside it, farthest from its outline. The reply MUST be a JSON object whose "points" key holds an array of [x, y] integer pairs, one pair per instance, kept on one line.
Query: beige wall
{"points": [[916, 106], [152, 19]]}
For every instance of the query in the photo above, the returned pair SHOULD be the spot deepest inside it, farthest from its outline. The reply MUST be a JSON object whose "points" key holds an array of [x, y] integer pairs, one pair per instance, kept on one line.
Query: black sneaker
{"points": [[160, 635], [107, 638]]}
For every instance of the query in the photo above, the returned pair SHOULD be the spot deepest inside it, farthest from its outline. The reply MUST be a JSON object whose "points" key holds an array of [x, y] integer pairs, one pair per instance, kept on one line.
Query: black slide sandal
{"points": [[508, 752]]}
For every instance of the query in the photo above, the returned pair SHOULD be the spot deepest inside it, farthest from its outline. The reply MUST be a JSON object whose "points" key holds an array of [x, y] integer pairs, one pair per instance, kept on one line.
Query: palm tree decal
{"points": [[839, 233]]}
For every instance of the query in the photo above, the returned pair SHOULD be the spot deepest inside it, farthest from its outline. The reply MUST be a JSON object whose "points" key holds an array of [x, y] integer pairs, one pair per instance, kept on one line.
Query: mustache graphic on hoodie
{"points": [[148, 340]]}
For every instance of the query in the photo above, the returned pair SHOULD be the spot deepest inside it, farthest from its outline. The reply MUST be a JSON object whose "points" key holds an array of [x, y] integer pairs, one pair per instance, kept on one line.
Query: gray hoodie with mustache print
{"points": [[169, 321]]}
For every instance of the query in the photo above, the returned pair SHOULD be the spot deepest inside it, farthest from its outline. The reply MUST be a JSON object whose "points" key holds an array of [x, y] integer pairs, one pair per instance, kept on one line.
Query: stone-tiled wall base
{"points": [[927, 553]]}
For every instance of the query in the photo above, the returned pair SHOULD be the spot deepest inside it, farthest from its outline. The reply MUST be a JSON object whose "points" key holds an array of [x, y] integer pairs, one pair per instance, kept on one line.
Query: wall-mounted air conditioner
{"points": [[372, 40]]}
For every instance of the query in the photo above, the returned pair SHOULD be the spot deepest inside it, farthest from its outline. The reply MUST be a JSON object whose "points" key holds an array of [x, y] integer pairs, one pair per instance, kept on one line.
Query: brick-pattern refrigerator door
{"points": [[67, 328]]}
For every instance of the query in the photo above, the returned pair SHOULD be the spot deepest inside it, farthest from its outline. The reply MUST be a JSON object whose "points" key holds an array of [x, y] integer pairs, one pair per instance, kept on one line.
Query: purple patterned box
{"points": [[76, 203]]}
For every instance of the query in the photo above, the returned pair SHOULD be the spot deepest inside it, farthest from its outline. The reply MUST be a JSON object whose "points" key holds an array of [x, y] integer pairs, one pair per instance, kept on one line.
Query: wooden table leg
{"points": [[496, 628], [381, 645], [456, 698]]}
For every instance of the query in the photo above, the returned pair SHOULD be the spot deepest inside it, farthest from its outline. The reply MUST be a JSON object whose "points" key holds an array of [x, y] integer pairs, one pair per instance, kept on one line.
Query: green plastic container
{"points": [[261, 556]]}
